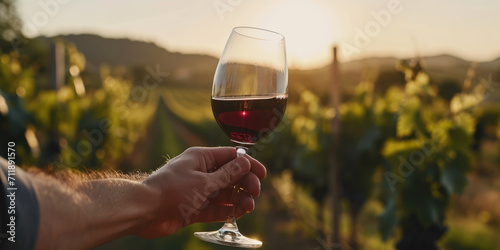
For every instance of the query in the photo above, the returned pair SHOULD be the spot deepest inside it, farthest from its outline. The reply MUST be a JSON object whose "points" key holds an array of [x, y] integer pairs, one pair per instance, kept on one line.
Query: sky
{"points": [[361, 28]]}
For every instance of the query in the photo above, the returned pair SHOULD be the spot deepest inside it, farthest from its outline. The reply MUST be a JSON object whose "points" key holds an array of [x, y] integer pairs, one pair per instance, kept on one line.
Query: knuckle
{"points": [[193, 150]]}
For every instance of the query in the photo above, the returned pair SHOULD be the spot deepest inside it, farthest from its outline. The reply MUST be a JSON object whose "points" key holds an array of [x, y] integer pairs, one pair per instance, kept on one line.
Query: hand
{"points": [[194, 186]]}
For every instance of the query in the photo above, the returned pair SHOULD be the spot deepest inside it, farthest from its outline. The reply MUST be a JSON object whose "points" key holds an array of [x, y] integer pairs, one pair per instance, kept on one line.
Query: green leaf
{"points": [[408, 119], [430, 214], [459, 138], [453, 178], [388, 219], [423, 197]]}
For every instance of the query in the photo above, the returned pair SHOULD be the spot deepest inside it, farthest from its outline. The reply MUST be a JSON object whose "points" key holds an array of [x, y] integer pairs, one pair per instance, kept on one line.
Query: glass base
{"points": [[228, 237]]}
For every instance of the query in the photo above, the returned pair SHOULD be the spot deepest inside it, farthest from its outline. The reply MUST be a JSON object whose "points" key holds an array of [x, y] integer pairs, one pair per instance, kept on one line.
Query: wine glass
{"points": [[249, 97]]}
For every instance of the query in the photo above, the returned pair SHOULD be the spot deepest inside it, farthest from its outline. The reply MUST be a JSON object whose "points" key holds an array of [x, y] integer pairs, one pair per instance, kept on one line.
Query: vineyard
{"points": [[419, 163]]}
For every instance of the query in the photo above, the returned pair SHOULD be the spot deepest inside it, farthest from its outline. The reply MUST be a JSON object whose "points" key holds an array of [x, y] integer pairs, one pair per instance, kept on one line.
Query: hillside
{"points": [[198, 70], [137, 55]]}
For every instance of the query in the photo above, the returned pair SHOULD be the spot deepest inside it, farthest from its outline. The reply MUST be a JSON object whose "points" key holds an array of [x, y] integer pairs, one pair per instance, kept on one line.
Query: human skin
{"points": [[192, 187]]}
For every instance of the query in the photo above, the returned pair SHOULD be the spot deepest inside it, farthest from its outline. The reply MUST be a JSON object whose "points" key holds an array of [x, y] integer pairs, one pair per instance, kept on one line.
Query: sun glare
{"points": [[308, 28]]}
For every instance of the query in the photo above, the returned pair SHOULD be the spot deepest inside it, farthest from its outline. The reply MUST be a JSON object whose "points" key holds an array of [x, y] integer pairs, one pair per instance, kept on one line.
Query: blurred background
{"points": [[389, 143]]}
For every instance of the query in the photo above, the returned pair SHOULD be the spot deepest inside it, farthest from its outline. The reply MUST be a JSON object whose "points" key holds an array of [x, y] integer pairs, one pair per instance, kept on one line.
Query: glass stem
{"points": [[235, 197]]}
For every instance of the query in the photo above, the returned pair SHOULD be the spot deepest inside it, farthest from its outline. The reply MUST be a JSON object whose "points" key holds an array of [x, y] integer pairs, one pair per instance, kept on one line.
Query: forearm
{"points": [[90, 213]]}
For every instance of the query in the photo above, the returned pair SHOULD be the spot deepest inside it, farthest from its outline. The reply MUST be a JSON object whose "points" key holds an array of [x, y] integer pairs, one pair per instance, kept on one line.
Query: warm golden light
{"points": [[308, 28]]}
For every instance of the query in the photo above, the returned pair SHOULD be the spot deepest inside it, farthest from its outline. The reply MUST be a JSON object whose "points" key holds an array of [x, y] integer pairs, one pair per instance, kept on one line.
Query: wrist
{"points": [[149, 204], [162, 219]]}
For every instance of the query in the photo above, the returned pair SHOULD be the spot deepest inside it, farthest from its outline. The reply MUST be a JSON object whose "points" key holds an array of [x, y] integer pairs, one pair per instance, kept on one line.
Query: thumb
{"points": [[231, 172]]}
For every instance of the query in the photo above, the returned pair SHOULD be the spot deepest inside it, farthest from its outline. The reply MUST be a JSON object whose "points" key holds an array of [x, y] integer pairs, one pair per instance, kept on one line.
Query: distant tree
{"points": [[10, 26]]}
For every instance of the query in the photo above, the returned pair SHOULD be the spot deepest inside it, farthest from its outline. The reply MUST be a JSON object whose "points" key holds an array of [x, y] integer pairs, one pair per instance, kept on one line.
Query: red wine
{"points": [[246, 120]]}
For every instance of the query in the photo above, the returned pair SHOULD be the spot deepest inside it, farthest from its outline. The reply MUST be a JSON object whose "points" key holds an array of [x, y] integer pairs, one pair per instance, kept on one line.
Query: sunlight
{"points": [[308, 28]]}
